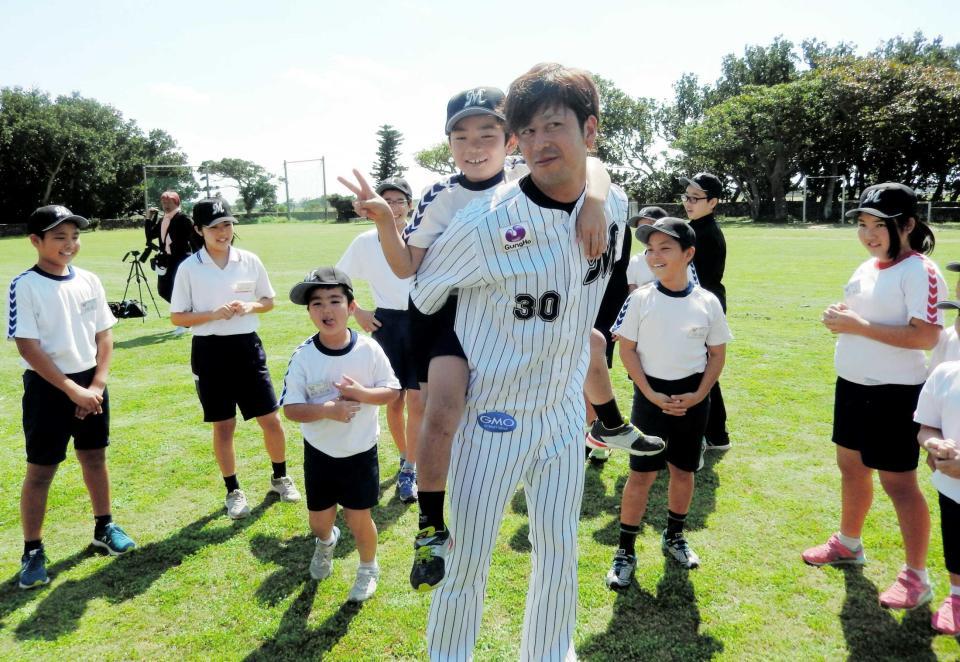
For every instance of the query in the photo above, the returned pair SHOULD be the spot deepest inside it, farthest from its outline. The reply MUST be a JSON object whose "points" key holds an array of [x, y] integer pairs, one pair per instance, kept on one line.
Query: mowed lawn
{"points": [[203, 587]]}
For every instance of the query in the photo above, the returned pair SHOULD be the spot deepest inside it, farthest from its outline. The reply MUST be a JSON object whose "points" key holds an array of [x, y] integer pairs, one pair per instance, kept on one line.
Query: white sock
{"points": [[954, 589], [408, 466], [371, 565], [853, 544], [329, 541], [922, 574]]}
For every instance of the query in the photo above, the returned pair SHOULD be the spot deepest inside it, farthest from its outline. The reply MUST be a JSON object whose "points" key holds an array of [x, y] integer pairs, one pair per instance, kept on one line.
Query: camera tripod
{"points": [[137, 274]]}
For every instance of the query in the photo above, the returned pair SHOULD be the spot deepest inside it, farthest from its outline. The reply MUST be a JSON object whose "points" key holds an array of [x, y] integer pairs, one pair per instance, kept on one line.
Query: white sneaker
{"points": [[321, 565], [180, 330], [285, 488], [237, 507], [366, 584]]}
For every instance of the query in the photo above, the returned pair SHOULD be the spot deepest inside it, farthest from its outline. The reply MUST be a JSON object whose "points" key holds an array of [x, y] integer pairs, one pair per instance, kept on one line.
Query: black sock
{"points": [[675, 524], [609, 414], [279, 469], [431, 510], [100, 523], [30, 545], [628, 538], [231, 482]]}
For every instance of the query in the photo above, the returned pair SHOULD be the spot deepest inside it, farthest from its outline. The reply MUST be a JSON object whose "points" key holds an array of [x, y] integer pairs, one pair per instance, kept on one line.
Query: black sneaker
{"points": [[626, 437], [621, 572], [33, 569], [430, 551], [718, 444]]}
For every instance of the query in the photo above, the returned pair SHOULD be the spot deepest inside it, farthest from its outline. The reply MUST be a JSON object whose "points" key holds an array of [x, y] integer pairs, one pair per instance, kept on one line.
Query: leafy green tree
{"points": [[388, 154], [919, 50], [436, 158], [255, 185]]}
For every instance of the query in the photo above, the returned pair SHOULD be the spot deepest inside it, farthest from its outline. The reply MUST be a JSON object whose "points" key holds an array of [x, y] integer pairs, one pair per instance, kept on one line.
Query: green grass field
{"points": [[203, 587]]}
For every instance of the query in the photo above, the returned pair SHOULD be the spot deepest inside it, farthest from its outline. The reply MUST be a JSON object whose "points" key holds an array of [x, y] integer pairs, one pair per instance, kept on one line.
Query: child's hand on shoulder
{"points": [[350, 389], [341, 410], [592, 229]]}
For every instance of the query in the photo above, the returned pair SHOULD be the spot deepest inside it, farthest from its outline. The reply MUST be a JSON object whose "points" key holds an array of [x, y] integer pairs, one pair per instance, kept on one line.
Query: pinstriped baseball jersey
{"points": [[528, 296], [440, 202]]}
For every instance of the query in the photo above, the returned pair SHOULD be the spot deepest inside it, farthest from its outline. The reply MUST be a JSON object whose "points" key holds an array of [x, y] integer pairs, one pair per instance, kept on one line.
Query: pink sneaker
{"points": [[833, 552], [907, 592], [947, 618]]}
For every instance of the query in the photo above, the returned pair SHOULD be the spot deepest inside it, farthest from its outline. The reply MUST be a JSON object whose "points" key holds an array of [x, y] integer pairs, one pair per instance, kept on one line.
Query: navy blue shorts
{"points": [[878, 422], [394, 337], [49, 420], [683, 434], [433, 336], [353, 481], [231, 372]]}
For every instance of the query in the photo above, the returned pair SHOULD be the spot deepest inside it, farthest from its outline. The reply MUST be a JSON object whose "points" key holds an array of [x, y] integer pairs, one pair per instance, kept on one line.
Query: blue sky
{"points": [[298, 80]]}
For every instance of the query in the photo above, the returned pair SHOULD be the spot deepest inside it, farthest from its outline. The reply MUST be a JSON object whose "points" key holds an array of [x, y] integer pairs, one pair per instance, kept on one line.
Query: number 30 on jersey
{"points": [[546, 306]]}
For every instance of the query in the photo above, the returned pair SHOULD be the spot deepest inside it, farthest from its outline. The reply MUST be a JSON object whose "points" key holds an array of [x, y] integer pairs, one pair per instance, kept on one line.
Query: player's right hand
{"points": [[341, 410], [367, 321], [368, 204], [224, 312]]}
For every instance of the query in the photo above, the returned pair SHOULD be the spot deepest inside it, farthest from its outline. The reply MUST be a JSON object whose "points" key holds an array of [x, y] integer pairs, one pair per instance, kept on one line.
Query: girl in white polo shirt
{"points": [[887, 319], [673, 336], [219, 291]]}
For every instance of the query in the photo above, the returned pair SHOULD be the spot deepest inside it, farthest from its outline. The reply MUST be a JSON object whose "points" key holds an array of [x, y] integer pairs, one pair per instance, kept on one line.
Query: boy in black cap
{"points": [[334, 385], [61, 323], [389, 325], [672, 382], [703, 192]]}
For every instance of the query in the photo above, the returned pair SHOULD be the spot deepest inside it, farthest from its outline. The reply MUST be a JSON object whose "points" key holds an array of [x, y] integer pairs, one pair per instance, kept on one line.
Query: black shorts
{"points": [[353, 481], [878, 422], [49, 421], [433, 336], [231, 372], [950, 529], [683, 434], [394, 337]]}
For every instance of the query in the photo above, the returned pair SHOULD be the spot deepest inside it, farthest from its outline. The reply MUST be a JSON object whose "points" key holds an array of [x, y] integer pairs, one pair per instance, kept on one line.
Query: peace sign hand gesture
{"points": [[368, 204]]}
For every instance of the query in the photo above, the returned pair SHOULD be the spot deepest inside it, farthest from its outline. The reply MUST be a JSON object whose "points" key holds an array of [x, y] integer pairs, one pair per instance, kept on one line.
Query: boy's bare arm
{"points": [[373, 395], [44, 366], [261, 305], [224, 312], [716, 357], [592, 222], [631, 361], [336, 410]]}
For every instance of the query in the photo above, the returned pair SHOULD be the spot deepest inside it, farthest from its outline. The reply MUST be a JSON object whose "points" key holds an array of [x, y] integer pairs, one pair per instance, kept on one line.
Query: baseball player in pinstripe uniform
{"points": [[527, 301]]}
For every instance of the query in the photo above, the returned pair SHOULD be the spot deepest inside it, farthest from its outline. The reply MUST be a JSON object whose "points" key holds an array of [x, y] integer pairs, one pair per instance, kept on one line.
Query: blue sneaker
{"points": [[114, 540], [33, 569], [407, 486]]}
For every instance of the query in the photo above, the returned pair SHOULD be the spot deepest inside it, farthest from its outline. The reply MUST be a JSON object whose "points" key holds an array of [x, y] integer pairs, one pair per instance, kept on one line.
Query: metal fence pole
{"points": [[286, 186]]}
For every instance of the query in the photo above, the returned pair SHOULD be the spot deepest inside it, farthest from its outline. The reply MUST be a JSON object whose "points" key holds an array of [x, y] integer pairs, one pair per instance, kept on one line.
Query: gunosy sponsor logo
{"points": [[496, 421], [515, 236]]}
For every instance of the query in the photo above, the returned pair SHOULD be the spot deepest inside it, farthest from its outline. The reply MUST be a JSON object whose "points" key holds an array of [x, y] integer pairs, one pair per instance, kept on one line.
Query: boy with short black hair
{"points": [[700, 198], [334, 384], [61, 324], [672, 381]]}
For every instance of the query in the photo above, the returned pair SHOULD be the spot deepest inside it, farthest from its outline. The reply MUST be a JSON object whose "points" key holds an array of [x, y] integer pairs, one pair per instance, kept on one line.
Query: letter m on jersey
{"points": [[603, 265]]}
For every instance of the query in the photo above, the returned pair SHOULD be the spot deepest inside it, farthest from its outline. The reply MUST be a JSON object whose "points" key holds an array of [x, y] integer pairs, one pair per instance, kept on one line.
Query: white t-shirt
{"points": [[893, 295], [201, 285], [672, 330], [312, 371], [364, 260], [441, 202], [947, 349], [64, 313], [638, 272], [939, 407]]}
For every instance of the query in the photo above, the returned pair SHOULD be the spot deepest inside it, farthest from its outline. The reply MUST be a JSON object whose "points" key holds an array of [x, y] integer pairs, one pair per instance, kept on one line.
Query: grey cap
{"points": [[396, 184], [300, 293]]}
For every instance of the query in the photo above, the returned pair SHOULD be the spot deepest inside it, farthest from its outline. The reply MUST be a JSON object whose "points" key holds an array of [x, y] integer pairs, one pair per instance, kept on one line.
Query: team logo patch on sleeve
{"points": [[515, 236], [496, 421]]}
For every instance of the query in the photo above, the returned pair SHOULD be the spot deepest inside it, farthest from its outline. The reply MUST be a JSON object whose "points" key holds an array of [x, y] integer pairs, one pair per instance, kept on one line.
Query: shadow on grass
{"points": [[662, 626], [143, 341], [294, 639], [14, 597], [873, 632], [129, 576]]}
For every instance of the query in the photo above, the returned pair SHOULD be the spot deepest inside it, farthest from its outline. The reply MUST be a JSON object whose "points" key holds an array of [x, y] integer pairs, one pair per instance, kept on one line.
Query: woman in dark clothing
{"points": [[173, 233]]}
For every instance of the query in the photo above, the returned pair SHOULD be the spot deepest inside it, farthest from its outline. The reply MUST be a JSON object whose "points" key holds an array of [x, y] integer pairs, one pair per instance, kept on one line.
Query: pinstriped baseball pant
{"points": [[544, 453]]}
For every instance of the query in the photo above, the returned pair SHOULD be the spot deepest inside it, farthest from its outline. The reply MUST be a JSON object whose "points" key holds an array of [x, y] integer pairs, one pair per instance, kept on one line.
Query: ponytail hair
{"points": [[921, 236]]}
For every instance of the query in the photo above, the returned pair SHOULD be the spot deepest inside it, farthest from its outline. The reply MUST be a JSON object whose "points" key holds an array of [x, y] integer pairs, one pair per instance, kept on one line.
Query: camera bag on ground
{"points": [[127, 309]]}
